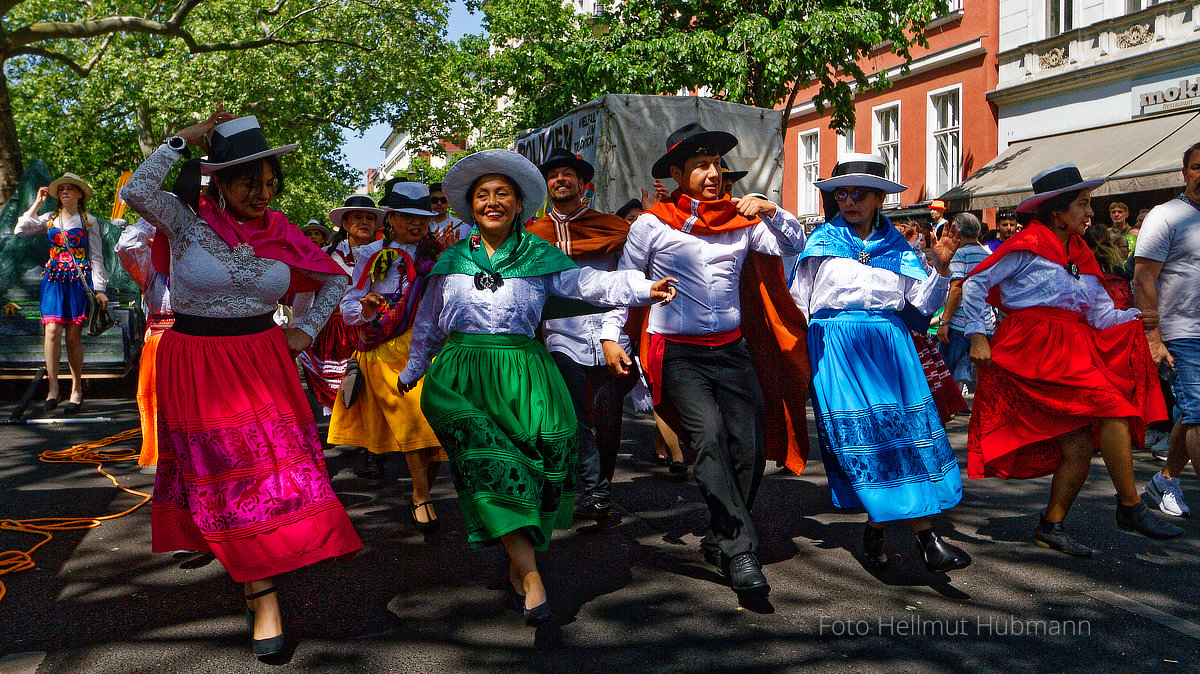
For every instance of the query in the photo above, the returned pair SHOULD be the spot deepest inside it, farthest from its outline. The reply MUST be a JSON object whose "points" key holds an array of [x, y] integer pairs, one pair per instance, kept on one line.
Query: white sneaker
{"points": [[965, 390], [1167, 496]]}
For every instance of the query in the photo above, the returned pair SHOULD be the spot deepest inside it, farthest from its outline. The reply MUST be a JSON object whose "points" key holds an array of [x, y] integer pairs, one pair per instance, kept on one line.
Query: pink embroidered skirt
{"points": [[325, 361], [240, 470]]}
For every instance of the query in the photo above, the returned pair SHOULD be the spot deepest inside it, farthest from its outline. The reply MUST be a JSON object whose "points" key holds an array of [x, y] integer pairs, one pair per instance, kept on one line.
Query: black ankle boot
{"points": [[1052, 535], [1138, 518], [873, 547], [940, 555]]}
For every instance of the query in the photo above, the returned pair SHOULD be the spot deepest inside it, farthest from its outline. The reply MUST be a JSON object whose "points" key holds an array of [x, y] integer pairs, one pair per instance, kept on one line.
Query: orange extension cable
{"points": [[12, 561]]}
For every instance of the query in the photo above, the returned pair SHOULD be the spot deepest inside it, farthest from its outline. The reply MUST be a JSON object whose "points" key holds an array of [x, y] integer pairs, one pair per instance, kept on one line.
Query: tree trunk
{"points": [[148, 141], [11, 166]]}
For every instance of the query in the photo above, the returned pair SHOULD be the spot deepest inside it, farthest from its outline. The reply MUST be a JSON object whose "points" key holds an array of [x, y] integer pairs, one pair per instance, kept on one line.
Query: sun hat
{"points": [[860, 170], [735, 176], [466, 171], [238, 141], [71, 179], [316, 224]]}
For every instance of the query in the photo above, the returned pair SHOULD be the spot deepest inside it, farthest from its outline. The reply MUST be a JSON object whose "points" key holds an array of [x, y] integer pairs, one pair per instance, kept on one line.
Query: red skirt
{"points": [[1051, 373], [325, 361], [241, 472]]}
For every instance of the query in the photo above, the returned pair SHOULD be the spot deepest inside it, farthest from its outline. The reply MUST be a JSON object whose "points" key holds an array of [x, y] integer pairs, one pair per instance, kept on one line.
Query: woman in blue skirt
{"points": [[882, 441], [76, 265]]}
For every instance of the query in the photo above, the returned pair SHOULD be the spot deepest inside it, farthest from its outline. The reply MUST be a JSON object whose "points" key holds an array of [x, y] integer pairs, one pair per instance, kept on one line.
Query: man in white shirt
{"points": [[698, 361], [443, 223], [595, 240], [1166, 282]]}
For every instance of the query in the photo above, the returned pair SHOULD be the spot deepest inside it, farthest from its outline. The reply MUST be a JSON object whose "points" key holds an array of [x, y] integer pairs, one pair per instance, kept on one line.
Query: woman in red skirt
{"points": [[1066, 371], [241, 472]]}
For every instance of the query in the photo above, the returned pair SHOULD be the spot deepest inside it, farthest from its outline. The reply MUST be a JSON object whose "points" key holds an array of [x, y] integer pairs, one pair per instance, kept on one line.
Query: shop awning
{"points": [[1146, 154]]}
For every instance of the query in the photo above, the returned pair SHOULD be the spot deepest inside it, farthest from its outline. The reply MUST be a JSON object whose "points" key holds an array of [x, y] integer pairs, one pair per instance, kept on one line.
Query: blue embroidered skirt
{"points": [[63, 298], [882, 441]]}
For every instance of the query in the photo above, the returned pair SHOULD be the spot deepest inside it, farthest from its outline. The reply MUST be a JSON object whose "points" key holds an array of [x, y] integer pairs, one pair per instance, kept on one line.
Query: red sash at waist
{"points": [[658, 346]]}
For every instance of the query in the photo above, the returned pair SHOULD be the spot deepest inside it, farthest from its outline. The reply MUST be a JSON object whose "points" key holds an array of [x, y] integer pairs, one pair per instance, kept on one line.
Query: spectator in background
{"points": [[630, 210], [937, 217], [951, 327], [1118, 215], [443, 223], [1116, 279], [1006, 226]]}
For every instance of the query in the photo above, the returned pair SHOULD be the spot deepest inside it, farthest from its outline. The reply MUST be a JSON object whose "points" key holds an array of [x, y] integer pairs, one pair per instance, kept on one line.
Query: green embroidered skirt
{"points": [[502, 412]]}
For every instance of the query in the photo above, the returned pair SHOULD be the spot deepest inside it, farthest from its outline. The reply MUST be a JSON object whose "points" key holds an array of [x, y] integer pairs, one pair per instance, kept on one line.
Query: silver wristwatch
{"points": [[177, 143]]}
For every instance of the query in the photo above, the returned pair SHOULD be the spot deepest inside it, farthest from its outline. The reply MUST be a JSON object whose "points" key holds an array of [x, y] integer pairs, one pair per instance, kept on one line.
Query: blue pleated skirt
{"points": [[881, 438], [62, 301]]}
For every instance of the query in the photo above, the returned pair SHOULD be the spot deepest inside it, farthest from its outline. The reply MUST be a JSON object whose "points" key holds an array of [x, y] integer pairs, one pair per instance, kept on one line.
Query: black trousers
{"points": [[598, 396], [716, 393]]}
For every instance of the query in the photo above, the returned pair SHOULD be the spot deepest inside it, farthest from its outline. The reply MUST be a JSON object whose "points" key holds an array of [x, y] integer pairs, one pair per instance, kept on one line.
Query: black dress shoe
{"points": [[1052, 535], [370, 466], [593, 507], [72, 408], [1139, 518], [50, 404], [270, 645], [940, 555], [539, 615], [677, 468], [873, 547], [429, 526], [745, 574]]}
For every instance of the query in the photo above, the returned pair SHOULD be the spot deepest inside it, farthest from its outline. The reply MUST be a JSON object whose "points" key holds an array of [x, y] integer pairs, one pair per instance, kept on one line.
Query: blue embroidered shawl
{"points": [[886, 247]]}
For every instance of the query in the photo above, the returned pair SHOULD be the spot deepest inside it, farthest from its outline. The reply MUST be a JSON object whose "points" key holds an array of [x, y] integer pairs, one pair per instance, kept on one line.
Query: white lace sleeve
{"points": [[145, 195], [333, 286], [427, 335]]}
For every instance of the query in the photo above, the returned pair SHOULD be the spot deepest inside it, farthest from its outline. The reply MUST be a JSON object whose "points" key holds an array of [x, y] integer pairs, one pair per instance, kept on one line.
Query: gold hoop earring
{"points": [[221, 200]]}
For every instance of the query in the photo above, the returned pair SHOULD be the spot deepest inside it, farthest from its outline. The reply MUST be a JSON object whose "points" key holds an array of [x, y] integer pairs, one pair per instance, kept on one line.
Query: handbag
{"points": [[352, 383], [98, 320]]}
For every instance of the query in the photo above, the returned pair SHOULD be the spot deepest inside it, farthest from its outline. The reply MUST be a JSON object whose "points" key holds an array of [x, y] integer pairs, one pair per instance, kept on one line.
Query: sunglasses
{"points": [[439, 200], [857, 193]]}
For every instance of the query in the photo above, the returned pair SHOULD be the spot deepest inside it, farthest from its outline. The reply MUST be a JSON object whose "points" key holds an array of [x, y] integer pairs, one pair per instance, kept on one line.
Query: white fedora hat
{"points": [[357, 202], [860, 170], [238, 141], [507, 163], [408, 197]]}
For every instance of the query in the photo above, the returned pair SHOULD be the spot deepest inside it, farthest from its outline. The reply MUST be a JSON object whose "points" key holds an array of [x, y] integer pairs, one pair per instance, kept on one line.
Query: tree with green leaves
{"points": [[548, 59], [97, 89]]}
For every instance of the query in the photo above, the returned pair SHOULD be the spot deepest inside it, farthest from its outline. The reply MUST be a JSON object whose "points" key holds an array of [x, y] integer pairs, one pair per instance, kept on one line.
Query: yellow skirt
{"points": [[381, 419]]}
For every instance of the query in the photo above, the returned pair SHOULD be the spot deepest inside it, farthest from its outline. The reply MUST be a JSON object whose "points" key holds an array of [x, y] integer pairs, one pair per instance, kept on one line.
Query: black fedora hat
{"points": [[629, 206], [560, 157], [1054, 181], [684, 140], [727, 172], [236, 142]]}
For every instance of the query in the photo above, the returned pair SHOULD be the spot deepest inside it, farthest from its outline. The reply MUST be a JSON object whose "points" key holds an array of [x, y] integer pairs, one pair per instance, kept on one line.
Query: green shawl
{"points": [[520, 255]]}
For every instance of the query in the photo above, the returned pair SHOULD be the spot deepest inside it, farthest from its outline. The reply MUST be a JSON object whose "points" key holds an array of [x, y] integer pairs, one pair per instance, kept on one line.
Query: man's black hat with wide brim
{"points": [[560, 157], [684, 140]]}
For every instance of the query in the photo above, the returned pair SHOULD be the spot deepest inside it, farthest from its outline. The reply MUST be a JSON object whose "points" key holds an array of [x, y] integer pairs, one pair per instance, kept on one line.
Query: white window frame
{"points": [[808, 197], [879, 149], [845, 142], [933, 187], [1067, 10]]}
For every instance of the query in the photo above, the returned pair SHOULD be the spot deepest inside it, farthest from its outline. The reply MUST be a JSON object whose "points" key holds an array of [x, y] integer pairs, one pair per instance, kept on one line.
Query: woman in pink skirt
{"points": [[241, 471]]}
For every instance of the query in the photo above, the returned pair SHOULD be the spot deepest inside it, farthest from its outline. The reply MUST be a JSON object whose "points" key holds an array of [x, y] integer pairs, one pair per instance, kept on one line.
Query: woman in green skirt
{"points": [[494, 397]]}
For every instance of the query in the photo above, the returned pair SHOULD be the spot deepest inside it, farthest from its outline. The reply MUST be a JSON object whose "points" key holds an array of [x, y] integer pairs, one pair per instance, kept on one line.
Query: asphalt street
{"points": [[631, 595]]}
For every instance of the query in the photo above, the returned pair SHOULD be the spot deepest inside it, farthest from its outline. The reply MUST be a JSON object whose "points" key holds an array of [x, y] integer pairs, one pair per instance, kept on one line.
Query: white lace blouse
{"points": [[207, 278], [452, 303]]}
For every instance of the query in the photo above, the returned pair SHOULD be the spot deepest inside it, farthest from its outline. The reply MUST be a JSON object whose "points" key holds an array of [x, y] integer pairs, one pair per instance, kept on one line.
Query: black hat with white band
{"points": [[238, 141]]}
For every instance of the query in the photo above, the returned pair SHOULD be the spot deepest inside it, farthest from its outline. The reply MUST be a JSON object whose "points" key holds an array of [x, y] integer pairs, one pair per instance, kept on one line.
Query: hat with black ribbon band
{"points": [[860, 170], [356, 202], [409, 197], [238, 141], [687, 139]]}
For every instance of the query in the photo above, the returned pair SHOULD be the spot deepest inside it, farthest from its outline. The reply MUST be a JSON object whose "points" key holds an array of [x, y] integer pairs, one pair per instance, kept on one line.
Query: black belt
{"points": [[212, 326]]}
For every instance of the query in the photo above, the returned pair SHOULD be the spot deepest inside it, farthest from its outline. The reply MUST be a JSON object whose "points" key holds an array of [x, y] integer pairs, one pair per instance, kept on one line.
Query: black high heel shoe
{"points": [[538, 615], [270, 645], [873, 547], [425, 527], [940, 555]]}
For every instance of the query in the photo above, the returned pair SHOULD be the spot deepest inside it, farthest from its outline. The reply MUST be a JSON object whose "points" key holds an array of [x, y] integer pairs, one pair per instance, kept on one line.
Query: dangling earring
{"points": [[221, 200]]}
